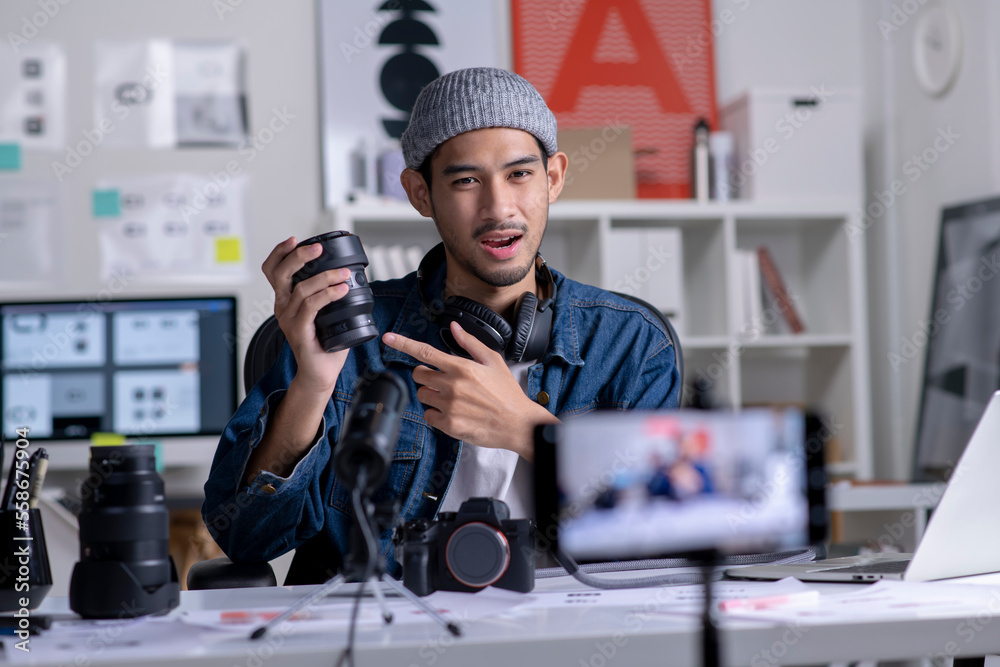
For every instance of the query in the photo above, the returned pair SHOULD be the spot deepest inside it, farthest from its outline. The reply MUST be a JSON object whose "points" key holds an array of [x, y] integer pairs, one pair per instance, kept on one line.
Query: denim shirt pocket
{"points": [[413, 435]]}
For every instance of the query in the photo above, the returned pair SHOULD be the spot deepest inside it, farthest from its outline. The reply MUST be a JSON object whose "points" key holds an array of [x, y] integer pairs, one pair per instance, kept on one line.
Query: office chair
{"points": [[313, 558]]}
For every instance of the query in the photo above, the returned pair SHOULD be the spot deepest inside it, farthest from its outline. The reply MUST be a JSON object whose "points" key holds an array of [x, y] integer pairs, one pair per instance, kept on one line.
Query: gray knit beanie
{"points": [[472, 99]]}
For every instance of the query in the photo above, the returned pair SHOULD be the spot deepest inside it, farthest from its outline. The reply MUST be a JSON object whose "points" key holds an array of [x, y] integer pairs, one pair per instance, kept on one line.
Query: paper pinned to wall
{"points": [[211, 102], [172, 228], [134, 93], [30, 216], [163, 94], [33, 96]]}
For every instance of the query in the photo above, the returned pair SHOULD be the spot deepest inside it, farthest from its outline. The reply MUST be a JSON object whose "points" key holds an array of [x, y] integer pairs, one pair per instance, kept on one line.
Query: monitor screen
{"points": [[646, 484], [960, 338], [144, 368]]}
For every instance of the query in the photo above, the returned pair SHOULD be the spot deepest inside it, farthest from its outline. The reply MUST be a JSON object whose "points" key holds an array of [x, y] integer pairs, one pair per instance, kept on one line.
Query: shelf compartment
{"points": [[716, 368], [818, 378], [813, 259], [703, 250]]}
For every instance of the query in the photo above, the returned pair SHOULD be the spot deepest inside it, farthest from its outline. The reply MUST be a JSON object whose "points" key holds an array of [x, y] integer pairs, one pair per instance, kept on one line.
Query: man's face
{"points": [[490, 196]]}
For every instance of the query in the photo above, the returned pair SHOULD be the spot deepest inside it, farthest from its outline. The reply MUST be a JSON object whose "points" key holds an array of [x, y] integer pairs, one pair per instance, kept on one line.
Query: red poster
{"points": [[643, 63]]}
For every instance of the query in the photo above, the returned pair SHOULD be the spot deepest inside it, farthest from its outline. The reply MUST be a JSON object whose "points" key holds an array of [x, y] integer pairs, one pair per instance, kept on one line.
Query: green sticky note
{"points": [[227, 250], [106, 204], [10, 156]]}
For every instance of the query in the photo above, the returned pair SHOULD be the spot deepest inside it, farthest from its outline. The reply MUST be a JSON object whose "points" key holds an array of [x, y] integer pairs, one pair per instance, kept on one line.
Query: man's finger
{"points": [[431, 398], [434, 418], [428, 377], [278, 253], [475, 347], [420, 351]]}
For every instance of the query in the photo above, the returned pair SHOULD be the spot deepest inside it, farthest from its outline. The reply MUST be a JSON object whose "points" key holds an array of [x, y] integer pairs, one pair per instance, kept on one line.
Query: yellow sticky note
{"points": [[227, 249], [100, 439]]}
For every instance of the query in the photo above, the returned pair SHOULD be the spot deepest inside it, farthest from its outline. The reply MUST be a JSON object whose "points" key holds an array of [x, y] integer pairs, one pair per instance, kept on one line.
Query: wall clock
{"points": [[937, 48]]}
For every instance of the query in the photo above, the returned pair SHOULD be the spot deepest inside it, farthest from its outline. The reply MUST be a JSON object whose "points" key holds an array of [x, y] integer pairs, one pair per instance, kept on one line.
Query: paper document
{"points": [[886, 600], [172, 227], [33, 96], [31, 247]]}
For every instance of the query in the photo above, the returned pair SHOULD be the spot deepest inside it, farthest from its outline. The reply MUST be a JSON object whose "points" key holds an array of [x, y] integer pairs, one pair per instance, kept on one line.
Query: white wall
{"points": [[284, 195], [786, 43]]}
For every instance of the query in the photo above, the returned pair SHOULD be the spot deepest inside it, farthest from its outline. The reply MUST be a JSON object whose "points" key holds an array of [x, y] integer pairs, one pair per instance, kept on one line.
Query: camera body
{"points": [[465, 551], [348, 321]]}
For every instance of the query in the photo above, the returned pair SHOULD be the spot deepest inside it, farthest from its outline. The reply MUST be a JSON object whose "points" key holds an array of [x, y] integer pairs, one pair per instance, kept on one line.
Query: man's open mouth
{"points": [[500, 243]]}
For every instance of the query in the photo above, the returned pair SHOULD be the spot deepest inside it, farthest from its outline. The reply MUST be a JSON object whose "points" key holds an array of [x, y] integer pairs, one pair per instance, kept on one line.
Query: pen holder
{"points": [[24, 560]]}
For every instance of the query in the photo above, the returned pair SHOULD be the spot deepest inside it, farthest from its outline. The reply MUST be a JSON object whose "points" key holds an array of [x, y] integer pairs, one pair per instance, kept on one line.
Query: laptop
{"points": [[961, 538]]}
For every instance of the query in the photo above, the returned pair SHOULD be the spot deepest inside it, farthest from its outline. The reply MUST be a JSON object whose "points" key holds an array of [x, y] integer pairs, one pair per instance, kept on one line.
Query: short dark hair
{"points": [[425, 166]]}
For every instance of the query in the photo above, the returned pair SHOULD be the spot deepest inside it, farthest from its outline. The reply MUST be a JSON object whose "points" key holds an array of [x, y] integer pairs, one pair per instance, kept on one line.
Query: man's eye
{"points": [[520, 173], [464, 181]]}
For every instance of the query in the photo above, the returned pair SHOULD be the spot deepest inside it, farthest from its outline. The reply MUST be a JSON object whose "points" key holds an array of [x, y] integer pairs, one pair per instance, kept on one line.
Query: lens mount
{"points": [[477, 554]]}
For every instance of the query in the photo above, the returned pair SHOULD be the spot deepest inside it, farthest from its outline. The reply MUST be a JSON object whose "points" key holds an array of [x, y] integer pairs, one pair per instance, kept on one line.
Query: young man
{"points": [[482, 162]]}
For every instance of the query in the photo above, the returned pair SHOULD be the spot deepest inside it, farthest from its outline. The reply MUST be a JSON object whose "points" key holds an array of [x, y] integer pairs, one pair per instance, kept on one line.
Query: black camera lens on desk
{"points": [[348, 321], [125, 568]]}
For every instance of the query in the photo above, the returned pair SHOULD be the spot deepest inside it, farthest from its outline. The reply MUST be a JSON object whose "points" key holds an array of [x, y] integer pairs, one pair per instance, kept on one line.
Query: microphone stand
{"points": [[355, 567]]}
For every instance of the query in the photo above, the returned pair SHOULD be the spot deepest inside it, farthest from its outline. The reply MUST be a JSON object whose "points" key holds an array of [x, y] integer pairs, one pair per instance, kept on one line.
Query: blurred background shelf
{"points": [[681, 256]]}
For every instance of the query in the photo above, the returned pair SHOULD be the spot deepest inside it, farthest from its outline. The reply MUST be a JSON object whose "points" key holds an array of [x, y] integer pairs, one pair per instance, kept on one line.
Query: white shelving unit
{"points": [[825, 367]]}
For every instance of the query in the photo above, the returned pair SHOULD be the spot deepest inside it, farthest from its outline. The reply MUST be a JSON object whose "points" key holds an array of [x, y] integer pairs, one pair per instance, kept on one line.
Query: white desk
{"points": [[573, 636]]}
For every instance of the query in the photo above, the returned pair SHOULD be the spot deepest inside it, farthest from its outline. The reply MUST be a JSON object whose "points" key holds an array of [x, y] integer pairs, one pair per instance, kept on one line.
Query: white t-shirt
{"points": [[494, 473]]}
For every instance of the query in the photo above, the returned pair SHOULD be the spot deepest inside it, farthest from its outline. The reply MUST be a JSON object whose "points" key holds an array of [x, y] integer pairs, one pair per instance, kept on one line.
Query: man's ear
{"points": [[417, 191], [558, 162]]}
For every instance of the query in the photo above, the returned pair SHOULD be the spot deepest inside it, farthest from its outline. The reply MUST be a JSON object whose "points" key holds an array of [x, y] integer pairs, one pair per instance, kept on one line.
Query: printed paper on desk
{"points": [[33, 95], [171, 228], [487, 603], [887, 600], [121, 641], [687, 599], [30, 240]]}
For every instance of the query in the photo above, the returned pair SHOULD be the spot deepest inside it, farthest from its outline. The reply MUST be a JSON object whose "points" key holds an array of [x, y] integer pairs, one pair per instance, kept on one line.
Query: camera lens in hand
{"points": [[348, 321]]}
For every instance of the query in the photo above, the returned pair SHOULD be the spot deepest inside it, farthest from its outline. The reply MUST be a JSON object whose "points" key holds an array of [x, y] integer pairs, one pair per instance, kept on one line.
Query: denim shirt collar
{"points": [[414, 324]]}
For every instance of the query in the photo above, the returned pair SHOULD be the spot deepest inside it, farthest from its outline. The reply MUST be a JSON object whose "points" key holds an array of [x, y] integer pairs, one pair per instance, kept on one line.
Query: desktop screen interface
{"points": [[153, 367], [634, 485]]}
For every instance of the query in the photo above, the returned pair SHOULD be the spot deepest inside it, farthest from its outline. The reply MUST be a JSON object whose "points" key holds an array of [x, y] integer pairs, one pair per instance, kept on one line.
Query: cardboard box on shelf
{"points": [[601, 164]]}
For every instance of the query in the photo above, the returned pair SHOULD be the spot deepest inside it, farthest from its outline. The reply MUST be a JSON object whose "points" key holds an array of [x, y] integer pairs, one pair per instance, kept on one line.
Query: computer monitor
{"points": [[960, 338], [157, 369]]}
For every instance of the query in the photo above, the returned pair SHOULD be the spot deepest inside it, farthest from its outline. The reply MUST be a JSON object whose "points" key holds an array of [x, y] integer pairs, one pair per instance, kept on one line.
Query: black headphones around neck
{"points": [[525, 341]]}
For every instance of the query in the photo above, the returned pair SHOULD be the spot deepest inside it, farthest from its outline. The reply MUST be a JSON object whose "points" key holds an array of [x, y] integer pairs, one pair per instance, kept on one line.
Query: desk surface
{"points": [[645, 630]]}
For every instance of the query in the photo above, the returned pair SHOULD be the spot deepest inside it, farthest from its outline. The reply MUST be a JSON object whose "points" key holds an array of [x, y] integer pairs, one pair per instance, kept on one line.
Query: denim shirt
{"points": [[604, 353]]}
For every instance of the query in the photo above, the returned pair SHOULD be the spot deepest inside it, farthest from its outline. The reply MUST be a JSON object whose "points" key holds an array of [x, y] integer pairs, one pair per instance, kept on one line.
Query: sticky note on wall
{"points": [[10, 157], [106, 204], [228, 249]]}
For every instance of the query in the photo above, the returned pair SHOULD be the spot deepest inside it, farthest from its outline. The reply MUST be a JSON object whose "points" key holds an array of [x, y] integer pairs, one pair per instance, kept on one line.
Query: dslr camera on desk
{"points": [[465, 551]]}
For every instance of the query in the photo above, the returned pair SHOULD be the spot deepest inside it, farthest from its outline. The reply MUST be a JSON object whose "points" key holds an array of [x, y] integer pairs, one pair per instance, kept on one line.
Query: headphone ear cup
{"points": [[524, 324], [487, 326]]}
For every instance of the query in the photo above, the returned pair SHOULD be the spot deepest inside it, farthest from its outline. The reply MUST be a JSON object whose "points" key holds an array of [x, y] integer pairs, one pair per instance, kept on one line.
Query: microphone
{"points": [[371, 429]]}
